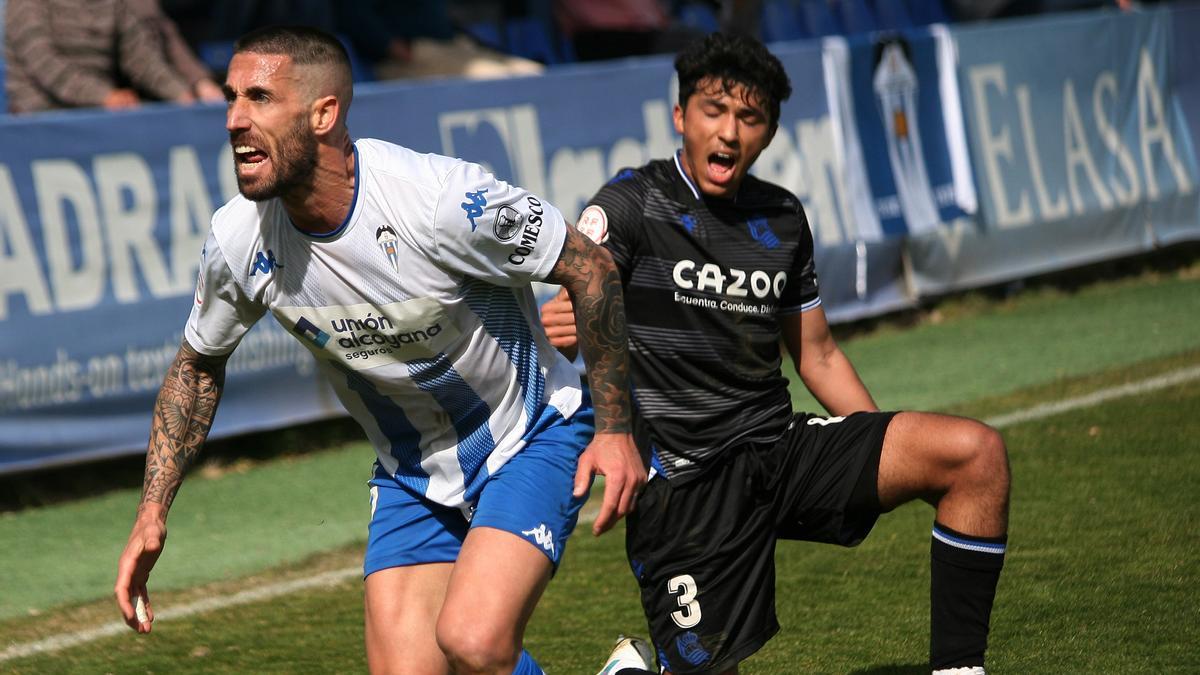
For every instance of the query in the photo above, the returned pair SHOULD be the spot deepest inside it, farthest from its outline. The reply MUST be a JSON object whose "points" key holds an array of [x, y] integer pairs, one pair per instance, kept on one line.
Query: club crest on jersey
{"points": [[760, 231], [593, 222], [507, 223], [474, 206], [690, 648], [387, 239]]}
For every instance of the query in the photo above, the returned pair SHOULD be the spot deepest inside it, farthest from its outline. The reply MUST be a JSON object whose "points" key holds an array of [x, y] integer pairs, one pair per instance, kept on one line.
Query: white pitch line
{"points": [[57, 642], [334, 577], [331, 578], [1043, 410]]}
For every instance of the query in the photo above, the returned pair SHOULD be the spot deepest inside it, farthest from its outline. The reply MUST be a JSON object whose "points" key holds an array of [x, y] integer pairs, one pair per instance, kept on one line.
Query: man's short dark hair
{"points": [[732, 60], [305, 45]]}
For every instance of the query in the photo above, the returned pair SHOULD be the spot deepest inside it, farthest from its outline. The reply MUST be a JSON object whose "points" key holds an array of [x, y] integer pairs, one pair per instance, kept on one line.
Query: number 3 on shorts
{"points": [[685, 587]]}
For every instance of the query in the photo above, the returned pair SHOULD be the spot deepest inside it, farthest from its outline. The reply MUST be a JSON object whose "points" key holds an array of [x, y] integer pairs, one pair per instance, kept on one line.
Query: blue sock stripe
{"points": [[967, 544]]}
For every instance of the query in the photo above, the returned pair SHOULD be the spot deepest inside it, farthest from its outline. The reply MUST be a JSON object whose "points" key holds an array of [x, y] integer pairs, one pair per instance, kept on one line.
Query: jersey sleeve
{"points": [[613, 218], [490, 230], [801, 293], [221, 313]]}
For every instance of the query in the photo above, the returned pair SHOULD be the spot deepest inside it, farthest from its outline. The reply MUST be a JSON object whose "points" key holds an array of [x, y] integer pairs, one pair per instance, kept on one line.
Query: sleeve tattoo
{"points": [[591, 278], [183, 416]]}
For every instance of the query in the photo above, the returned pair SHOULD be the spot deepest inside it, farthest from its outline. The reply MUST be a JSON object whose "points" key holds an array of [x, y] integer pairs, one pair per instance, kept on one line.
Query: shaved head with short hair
{"points": [[318, 55]]}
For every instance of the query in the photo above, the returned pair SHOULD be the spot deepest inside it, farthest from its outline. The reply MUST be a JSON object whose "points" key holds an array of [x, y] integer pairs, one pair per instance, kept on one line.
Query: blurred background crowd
{"points": [[119, 53]]}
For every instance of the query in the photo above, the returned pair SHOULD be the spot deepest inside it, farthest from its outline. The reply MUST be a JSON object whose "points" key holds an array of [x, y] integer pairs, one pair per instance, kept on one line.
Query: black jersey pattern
{"points": [[705, 280]]}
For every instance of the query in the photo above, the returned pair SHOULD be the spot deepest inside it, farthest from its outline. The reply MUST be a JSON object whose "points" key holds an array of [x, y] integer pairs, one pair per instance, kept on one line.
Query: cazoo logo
{"points": [[731, 282]]}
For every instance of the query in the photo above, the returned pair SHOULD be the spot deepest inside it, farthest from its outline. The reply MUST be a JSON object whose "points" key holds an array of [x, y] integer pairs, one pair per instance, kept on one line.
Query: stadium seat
{"points": [[781, 21], [892, 15], [215, 54], [360, 69], [818, 20], [925, 12], [855, 16], [699, 17], [533, 38], [485, 33]]}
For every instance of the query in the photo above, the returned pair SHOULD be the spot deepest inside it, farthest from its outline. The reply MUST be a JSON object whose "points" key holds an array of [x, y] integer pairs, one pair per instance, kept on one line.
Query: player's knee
{"points": [[989, 458], [471, 648]]}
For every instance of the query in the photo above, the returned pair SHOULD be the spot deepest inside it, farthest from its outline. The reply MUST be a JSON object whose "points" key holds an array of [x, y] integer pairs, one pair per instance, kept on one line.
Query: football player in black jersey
{"points": [[717, 268]]}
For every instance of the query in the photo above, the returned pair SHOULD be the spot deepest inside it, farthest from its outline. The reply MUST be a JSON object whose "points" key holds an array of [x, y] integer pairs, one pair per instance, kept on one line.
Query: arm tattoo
{"points": [[183, 415], [588, 272]]}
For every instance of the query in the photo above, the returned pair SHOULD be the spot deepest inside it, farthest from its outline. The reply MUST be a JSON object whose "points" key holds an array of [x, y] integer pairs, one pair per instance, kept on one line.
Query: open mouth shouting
{"points": [[721, 167], [249, 159]]}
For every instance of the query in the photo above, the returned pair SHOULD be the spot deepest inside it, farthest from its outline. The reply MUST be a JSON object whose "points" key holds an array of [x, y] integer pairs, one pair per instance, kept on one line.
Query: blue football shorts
{"points": [[529, 496]]}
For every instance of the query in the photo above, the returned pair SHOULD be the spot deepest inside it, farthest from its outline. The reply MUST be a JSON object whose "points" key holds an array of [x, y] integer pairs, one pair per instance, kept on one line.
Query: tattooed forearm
{"points": [[588, 273], [183, 415]]}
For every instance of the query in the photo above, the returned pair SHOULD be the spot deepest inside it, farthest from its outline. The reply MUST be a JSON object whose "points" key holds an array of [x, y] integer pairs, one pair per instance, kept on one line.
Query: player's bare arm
{"points": [[591, 279], [822, 365], [183, 416]]}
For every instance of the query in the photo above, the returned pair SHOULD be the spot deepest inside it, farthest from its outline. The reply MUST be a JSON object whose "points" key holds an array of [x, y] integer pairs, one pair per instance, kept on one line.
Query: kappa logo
{"points": [[387, 239], [474, 206], [543, 536], [265, 263]]}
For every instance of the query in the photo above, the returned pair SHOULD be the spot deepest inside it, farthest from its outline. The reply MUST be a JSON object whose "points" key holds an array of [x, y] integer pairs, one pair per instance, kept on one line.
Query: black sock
{"points": [[634, 671], [964, 572]]}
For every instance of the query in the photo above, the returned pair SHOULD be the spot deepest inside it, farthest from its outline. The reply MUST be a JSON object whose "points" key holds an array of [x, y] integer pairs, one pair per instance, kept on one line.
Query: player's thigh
{"points": [[402, 607], [412, 544], [492, 592], [703, 556], [822, 476], [924, 453], [519, 531]]}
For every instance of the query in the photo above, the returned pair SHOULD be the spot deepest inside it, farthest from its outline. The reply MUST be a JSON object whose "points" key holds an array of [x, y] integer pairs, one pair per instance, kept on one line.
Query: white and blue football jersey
{"points": [[418, 309]]}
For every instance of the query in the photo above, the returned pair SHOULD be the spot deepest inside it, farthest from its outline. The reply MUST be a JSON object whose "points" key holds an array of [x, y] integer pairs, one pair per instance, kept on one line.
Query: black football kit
{"points": [[706, 281]]}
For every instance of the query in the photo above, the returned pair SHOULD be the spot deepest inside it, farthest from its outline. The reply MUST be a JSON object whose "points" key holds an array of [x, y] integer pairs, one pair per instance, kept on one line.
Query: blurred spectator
{"points": [[381, 30], [417, 39], [607, 29], [81, 53], [179, 54]]}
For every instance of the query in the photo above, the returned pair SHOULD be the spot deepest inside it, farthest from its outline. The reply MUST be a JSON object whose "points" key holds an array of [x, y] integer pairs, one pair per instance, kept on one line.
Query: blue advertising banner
{"points": [[901, 88], [103, 216], [1080, 148]]}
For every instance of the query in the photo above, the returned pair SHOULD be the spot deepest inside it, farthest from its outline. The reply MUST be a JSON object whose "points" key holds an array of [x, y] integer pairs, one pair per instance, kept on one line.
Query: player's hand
{"points": [[119, 99], [558, 318], [615, 457], [141, 552], [208, 91]]}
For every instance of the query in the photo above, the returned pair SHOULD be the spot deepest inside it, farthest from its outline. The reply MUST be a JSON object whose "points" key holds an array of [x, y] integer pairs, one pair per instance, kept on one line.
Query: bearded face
{"points": [[268, 168]]}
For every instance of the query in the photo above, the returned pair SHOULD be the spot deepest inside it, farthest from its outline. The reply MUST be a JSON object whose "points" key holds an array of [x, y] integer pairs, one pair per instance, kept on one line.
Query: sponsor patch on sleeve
{"points": [[594, 223]]}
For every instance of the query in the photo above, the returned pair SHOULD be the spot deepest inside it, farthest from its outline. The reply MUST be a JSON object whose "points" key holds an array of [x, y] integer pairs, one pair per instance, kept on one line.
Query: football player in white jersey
{"points": [[408, 276]]}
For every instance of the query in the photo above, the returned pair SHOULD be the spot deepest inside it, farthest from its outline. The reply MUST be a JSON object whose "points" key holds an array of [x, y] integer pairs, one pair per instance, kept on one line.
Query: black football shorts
{"points": [[704, 551]]}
